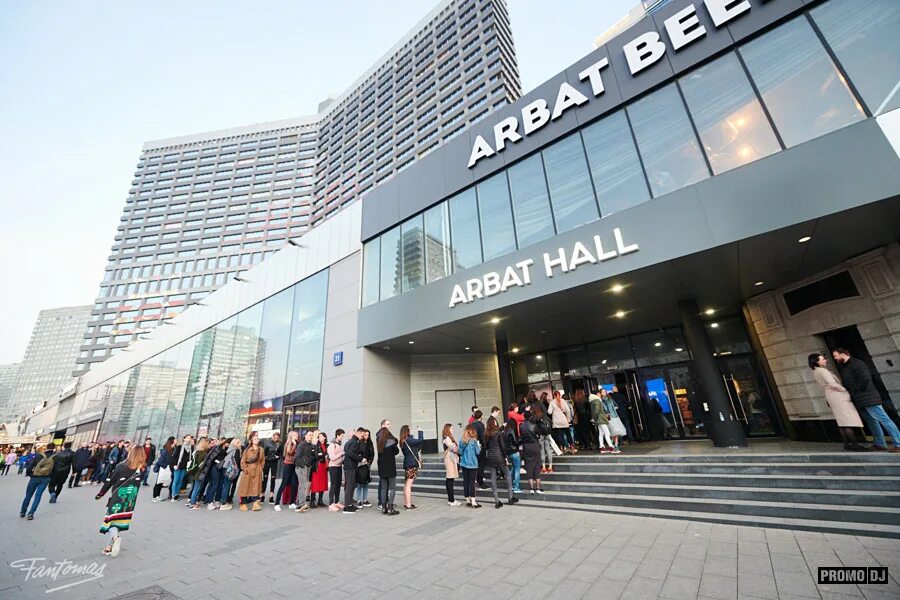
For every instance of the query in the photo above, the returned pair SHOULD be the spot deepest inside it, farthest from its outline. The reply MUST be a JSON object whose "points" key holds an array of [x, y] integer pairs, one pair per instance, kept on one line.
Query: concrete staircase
{"points": [[851, 493]]}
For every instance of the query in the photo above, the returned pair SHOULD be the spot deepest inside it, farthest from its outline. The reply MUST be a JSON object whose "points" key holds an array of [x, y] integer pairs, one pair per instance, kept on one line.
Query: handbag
{"points": [[415, 455], [252, 459], [164, 477]]}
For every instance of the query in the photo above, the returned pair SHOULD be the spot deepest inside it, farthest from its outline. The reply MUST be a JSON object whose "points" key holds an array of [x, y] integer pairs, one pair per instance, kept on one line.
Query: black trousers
{"points": [[469, 482], [334, 485], [448, 483], [349, 486], [270, 469], [57, 482], [74, 478]]}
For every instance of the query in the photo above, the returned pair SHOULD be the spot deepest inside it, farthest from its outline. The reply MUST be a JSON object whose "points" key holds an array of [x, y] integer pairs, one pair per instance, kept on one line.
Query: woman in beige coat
{"points": [[838, 400], [250, 485]]}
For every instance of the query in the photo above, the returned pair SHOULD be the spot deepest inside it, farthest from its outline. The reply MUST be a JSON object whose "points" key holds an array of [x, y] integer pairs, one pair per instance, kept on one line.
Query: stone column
{"points": [[507, 390], [725, 429]]}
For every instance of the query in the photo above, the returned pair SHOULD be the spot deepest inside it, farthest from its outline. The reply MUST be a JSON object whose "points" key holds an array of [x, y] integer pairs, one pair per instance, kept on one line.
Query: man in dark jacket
{"points": [[79, 464], [149, 449], [273, 449], [478, 424], [858, 380], [303, 462], [62, 464], [353, 455]]}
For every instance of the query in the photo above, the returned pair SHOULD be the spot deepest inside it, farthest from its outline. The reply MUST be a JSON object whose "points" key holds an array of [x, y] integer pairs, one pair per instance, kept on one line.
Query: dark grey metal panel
{"points": [[812, 180], [710, 44], [762, 15], [453, 154]]}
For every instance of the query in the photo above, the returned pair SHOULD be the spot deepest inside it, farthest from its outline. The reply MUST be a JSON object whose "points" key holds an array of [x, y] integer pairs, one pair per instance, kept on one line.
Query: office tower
{"points": [[203, 208], [8, 374], [49, 358]]}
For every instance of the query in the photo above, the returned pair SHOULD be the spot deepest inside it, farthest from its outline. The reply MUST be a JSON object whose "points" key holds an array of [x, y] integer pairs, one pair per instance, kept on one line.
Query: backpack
{"points": [[43, 468], [231, 469], [544, 427]]}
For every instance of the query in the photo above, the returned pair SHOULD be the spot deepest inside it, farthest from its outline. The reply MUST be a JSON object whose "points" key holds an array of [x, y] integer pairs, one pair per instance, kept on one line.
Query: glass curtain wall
{"points": [[243, 371], [180, 377], [795, 92], [274, 335], [304, 374]]}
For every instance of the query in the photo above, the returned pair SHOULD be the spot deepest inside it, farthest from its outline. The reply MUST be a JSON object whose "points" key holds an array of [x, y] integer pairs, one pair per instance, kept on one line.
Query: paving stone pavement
{"points": [[435, 552]]}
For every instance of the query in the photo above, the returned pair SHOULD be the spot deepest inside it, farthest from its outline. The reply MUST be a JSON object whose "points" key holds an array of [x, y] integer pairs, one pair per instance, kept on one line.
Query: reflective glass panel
{"points": [[112, 392], [246, 367], [391, 266], [571, 193], [660, 347], [614, 163], [732, 125], [864, 37], [610, 356], [727, 336], [466, 239], [201, 358], [180, 376], [497, 236], [412, 241], [219, 368], [304, 375], [804, 93], [371, 264], [437, 243], [666, 141], [160, 396], [531, 203]]}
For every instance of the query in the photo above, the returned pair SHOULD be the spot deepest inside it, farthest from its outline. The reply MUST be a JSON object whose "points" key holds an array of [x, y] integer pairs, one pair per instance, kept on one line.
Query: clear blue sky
{"points": [[84, 84]]}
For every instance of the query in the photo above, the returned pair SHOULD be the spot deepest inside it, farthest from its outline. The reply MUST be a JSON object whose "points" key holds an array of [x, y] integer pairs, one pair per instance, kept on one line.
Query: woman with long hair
{"points": [[469, 449], [561, 418], [230, 473], [288, 474], [198, 458], [335, 470], [541, 406], [497, 450], [616, 427], [250, 484], [838, 399], [364, 471], [451, 461], [530, 433], [412, 462], [582, 421], [388, 449], [162, 468], [125, 483], [319, 475]]}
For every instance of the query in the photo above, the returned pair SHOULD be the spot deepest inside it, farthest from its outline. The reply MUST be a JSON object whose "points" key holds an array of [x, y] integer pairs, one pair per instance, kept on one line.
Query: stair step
{"points": [[827, 457], [867, 529]]}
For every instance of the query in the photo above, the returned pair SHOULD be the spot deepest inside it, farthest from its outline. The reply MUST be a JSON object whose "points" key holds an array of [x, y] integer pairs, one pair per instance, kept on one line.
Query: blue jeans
{"points": [[215, 485], [878, 420], [362, 492], [199, 486], [36, 487], [177, 481], [224, 488], [516, 460]]}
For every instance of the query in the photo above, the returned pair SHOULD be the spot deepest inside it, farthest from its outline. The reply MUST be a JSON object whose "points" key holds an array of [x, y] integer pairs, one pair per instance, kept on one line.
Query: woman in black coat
{"points": [[495, 460], [388, 449]]}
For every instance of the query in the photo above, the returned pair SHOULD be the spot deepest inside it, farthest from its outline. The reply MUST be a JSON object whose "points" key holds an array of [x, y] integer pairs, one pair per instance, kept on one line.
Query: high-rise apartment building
{"points": [[203, 208], [49, 359], [8, 374]]}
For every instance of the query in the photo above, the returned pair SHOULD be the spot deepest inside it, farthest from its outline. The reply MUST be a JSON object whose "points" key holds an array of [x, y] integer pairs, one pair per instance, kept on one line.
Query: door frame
{"points": [[438, 426]]}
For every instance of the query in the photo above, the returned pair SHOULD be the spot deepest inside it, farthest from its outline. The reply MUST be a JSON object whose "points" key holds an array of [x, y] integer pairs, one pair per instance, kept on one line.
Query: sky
{"points": [[84, 84]]}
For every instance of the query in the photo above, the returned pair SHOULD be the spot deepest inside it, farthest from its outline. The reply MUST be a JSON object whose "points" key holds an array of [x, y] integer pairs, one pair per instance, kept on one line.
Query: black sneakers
{"points": [[349, 509]]}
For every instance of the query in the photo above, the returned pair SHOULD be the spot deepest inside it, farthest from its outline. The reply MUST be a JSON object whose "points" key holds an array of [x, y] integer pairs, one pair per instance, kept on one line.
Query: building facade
{"points": [[686, 213], [49, 359], [203, 208], [8, 374]]}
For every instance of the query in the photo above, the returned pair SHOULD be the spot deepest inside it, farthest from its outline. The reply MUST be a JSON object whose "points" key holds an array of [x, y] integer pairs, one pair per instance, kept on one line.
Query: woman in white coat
{"points": [[838, 400]]}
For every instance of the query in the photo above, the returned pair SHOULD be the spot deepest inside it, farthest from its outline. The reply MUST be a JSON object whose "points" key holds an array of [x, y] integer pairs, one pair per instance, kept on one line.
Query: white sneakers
{"points": [[292, 506], [277, 508], [454, 503]]}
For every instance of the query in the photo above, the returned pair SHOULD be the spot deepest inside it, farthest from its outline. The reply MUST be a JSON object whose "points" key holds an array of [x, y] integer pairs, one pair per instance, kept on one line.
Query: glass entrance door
{"points": [[750, 400], [670, 404]]}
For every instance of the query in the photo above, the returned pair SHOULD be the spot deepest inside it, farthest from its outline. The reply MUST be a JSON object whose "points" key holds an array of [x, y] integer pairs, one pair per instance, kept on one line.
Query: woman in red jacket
{"points": [[319, 475]]}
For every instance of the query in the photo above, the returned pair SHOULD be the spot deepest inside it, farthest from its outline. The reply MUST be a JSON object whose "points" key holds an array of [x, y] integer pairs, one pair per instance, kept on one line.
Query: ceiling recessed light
{"points": [[539, 357], [758, 283], [713, 325], [495, 320], [603, 362], [678, 349], [617, 288], [411, 342], [804, 239], [658, 344], [515, 350], [709, 311], [620, 313], [467, 347]]}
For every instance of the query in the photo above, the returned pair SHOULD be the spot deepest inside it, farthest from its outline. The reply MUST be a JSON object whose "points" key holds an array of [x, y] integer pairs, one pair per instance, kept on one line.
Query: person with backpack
{"points": [[469, 449], [216, 476], [38, 469], [125, 483], [162, 468], [231, 470], [335, 466], [198, 458], [388, 449], [532, 430], [62, 464], [412, 462]]}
